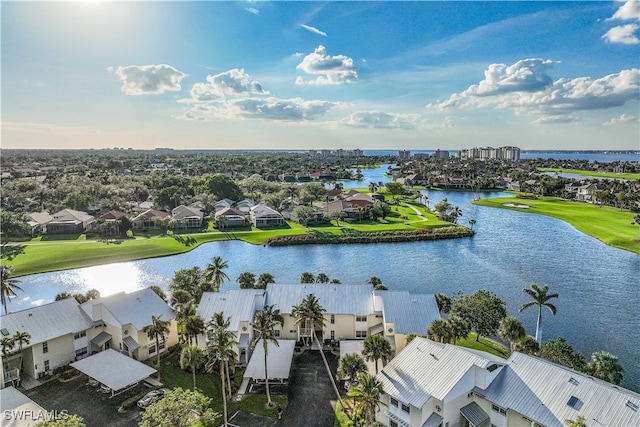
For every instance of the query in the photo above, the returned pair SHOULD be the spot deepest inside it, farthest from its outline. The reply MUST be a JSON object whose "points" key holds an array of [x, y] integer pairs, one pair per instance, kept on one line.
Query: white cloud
{"points": [[268, 108], [252, 10], [624, 118], [630, 10], [46, 128], [378, 119], [233, 82], [329, 69], [314, 30], [624, 34], [149, 79], [527, 89]]}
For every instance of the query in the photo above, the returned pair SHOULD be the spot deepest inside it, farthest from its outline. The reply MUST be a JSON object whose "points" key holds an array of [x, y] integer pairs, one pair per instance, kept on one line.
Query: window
{"points": [[152, 349], [276, 332], [82, 352], [4, 332], [333, 319], [393, 423], [499, 409], [79, 335], [292, 331], [361, 334], [162, 345], [574, 402], [333, 335], [406, 408], [45, 347], [394, 402], [46, 365], [361, 318]]}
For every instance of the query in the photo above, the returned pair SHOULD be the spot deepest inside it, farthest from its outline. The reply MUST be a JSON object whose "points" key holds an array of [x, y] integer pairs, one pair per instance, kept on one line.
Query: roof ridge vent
{"points": [[574, 381], [633, 406]]}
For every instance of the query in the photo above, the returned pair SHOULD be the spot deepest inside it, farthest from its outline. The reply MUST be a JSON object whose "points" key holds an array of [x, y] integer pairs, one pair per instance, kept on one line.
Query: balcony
{"points": [[11, 375]]}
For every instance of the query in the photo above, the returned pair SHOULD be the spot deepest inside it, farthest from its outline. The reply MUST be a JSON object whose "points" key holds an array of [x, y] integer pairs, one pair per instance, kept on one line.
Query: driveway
{"points": [[310, 393], [76, 397]]}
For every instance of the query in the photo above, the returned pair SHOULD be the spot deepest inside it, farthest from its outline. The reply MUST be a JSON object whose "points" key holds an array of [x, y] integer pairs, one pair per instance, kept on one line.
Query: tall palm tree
{"points": [[605, 366], [527, 345], [157, 329], [458, 328], [192, 357], [351, 365], [439, 330], [220, 350], [8, 285], [540, 296], [512, 330], [246, 280], [193, 326], [214, 273], [376, 347], [264, 279], [219, 322], [7, 344], [367, 393], [264, 325], [472, 222], [309, 313], [21, 338]]}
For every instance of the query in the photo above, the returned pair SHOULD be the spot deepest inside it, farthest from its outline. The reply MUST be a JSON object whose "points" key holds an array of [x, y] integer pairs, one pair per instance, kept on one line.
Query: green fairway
{"points": [[583, 172], [607, 224]]}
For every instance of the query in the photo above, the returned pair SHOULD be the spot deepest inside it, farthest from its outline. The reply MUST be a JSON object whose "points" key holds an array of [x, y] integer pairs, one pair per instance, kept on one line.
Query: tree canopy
{"points": [[482, 310], [179, 408]]}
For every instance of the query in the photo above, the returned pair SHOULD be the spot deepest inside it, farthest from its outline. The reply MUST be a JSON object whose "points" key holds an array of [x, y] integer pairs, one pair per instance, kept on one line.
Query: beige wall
{"points": [[60, 352]]}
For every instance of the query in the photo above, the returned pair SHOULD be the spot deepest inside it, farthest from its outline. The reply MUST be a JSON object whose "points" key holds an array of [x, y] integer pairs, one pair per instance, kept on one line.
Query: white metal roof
{"points": [[278, 360], [28, 412], [135, 308], [47, 321], [425, 368], [239, 304], [540, 390], [113, 369], [410, 313], [357, 300]]}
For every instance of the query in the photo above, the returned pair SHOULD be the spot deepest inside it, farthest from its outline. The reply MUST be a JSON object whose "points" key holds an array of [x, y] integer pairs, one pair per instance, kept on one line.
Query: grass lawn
{"points": [[209, 384], [608, 224], [484, 344], [610, 175]]}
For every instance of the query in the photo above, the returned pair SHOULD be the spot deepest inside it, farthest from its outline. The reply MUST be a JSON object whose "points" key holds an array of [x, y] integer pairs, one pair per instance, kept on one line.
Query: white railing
{"points": [[306, 332], [11, 375]]}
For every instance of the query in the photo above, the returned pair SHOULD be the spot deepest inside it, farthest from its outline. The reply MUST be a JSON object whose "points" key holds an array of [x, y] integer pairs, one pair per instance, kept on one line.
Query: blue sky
{"points": [[303, 75]]}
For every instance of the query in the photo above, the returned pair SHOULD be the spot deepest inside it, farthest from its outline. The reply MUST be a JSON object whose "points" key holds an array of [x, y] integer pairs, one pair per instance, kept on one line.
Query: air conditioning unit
{"points": [[438, 408]]}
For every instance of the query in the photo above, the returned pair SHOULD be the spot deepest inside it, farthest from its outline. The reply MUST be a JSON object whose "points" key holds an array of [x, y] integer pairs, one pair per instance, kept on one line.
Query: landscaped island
{"points": [[610, 225]]}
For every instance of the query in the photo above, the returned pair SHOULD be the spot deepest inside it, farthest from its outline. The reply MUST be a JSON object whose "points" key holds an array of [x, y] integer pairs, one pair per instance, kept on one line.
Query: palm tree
{"points": [[367, 393], [472, 222], [527, 345], [246, 280], [439, 330], [21, 338], [307, 277], [540, 297], [214, 273], [264, 326], [192, 357], [605, 366], [322, 278], [377, 283], [193, 326], [220, 350], [512, 330], [376, 347], [264, 279], [219, 322], [8, 286], [7, 344], [157, 329], [351, 365], [308, 313], [458, 328]]}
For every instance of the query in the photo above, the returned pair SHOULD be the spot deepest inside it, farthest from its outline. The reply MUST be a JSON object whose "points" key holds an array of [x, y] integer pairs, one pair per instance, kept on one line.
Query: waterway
{"points": [[598, 285]]}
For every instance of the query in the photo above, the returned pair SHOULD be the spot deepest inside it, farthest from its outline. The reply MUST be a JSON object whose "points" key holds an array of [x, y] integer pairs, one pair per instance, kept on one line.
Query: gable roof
{"points": [[230, 212], [135, 308], [148, 214], [238, 304], [70, 215], [410, 313], [39, 217], [48, 321], [13, 401], [425, 369], [182, 212], [335, 299], [223, 202], [261, 210], [541, 390], [115, 214]]}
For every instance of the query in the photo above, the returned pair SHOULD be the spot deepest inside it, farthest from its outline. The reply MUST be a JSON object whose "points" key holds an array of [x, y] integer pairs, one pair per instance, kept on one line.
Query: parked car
{"points": [[150, 398]]}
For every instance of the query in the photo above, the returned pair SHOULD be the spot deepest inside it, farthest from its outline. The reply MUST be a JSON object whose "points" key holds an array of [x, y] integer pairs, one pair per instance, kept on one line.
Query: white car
{"points": [[150, 398]]}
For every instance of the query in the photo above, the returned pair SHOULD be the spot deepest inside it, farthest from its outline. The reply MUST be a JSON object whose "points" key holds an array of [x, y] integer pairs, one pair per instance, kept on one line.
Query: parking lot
{"points": [[76, 397]]}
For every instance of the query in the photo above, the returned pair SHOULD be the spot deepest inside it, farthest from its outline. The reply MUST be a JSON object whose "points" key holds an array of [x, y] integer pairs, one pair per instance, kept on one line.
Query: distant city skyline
{"points": [[321, 75]]}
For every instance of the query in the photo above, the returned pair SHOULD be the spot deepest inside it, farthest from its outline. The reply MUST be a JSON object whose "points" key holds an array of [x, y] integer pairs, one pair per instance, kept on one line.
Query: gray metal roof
{"points": [[13, 400], [334, 298], [278, 360], [239, 304], [474, 414], [540, 390], [113, 369], [411, 313], [425, 368], [47, 321], [135, 308]]}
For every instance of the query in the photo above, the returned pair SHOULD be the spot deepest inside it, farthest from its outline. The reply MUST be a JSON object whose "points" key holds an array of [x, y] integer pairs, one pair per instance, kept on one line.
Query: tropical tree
{"points": [[540, 296], [376, 347], [307, 277], [63, 420], [177, 409], [7, 344], [351, 365], [367, 393], [191, 280], [527, 345], [158, 329], [444, 303], [246, 280], [308, 313], [439, 330], [264, 279], [214, 273], [264, 326], [192, 357], [21, 338], [220, 350], [605, 366], [8, 285], [158, 290], [322, 278], [482, 310], [558, 351], [377, 283], [472, 222], [193, 326], [578, 422], [395, 189], [512, 330], [458, 328]]}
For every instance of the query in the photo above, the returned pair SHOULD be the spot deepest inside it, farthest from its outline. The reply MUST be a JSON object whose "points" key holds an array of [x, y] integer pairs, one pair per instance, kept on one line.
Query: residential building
{"points": [[187, 217], [38, 222], [18, 410], [489, 153], [146, 220], [121, 319], [68, 221], [263, 216], [222, 204], [404, 154], [434, 384], [230, 217], [245, 205]]}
